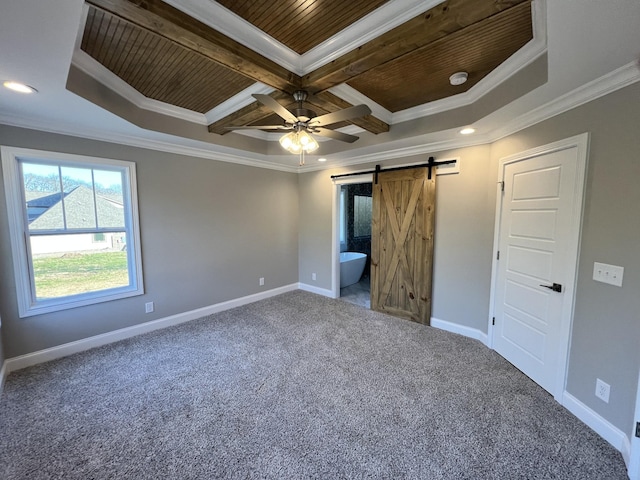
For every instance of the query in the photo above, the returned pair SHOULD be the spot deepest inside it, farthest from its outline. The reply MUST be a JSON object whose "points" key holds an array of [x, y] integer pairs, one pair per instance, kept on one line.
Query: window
{"points": [[74, 229], [343, 219], [362, 207]]}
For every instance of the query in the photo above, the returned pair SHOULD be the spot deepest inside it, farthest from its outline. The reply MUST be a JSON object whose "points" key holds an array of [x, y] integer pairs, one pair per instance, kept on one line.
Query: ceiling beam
{"points": [[178, 27], [436, 23], [330, 102], [247, 115], [324, 102]]}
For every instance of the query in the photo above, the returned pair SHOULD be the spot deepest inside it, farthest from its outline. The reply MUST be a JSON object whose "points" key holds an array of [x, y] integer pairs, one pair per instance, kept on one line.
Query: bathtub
{"points": [[351, 267]]}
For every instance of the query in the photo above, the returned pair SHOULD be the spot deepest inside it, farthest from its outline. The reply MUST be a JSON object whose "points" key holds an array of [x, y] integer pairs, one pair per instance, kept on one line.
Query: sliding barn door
{"points": [[402, 243]]}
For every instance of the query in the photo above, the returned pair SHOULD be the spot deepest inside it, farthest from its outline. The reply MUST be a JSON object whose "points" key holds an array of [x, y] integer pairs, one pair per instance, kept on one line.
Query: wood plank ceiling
{"points": [[301, 24], [170, 57]]}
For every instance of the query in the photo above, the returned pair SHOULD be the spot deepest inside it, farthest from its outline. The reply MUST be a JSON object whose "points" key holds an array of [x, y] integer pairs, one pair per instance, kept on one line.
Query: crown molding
{"points": [[228, 23], [210, 151], [383, 19], [239, 100], [401, 149], [101, 74], [608, 83], [376, 23], [622, 77], [353, 96]]}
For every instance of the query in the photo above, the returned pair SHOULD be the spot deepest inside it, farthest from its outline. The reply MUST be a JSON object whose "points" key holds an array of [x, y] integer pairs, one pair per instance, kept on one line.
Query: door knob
{"points": [[556, 287]]}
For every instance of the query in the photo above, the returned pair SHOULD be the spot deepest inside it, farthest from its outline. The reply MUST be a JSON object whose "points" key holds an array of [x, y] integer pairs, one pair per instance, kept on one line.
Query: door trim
{"points": [[363, 177], [335, 226], [581, 142]]}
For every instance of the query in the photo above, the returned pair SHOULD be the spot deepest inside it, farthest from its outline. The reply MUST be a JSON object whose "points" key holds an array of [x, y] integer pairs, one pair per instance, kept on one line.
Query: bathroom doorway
{"points": [[355, 208]]}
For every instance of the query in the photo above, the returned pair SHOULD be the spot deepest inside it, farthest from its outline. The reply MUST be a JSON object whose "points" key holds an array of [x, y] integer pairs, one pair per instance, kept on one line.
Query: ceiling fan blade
{"points": [[340, 115], [269, 102], [260, 127], [326, 132]]}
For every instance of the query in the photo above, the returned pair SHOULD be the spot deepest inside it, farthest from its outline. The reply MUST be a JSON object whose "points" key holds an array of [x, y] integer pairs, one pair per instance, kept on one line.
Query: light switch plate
{"points": [[611, 274]]}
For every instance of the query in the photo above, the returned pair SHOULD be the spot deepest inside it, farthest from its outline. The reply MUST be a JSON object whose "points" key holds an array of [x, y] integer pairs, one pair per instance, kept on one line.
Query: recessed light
{"points": [[458, 78], [467, 131], [19, 87], [322, 159]]}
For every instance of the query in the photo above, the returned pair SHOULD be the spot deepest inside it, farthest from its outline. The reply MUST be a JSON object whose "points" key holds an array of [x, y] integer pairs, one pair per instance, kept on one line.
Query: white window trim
{"points": [[17, 228]]}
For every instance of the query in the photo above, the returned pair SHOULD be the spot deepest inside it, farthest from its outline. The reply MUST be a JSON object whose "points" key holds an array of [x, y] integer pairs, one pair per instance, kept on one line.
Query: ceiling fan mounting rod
{"points": [[300, 96]]}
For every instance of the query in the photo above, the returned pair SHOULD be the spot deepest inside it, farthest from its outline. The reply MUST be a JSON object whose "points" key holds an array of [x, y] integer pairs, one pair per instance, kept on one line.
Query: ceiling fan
{"points": [[302, 123]]}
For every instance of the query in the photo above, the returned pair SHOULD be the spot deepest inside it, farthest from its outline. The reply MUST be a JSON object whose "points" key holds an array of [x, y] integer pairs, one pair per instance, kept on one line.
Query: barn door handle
{"points": [[556, 287]]}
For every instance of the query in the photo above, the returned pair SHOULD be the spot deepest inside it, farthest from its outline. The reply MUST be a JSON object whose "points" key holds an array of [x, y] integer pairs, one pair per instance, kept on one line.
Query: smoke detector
{"points": [[458, 78]]}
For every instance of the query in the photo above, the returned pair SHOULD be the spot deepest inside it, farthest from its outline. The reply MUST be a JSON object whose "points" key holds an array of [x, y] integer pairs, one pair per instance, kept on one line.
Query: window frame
{"points": [[343, 219], [355, 214], [20, 235]]}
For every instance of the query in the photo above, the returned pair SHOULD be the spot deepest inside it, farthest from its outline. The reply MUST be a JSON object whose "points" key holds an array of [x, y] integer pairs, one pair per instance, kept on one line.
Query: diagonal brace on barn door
{"points": [[399, 237]]}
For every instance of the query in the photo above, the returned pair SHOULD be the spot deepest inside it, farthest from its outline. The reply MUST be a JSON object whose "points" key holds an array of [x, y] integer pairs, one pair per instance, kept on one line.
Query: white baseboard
{"points": [[598, 424], [320, 291], [460, 329], [3, 376], [23, 361]]}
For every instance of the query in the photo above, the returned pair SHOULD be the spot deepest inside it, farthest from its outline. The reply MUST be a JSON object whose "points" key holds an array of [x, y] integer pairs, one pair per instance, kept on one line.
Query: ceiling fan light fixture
{"points": [[458, 78], [296, 142]]}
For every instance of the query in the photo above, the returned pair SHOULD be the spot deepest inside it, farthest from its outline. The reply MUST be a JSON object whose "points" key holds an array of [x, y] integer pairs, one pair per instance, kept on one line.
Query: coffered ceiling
{"points": [[169, 56], [175, 74]]}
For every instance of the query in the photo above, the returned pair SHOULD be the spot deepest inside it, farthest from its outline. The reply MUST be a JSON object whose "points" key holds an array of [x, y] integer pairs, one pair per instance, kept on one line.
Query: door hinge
{"points": [[638, 429], [498, 255], [493, 321]]}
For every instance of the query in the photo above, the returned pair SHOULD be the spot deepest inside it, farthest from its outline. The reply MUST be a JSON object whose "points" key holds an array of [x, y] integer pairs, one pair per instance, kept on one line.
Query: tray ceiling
{"points": [[168, 56]]}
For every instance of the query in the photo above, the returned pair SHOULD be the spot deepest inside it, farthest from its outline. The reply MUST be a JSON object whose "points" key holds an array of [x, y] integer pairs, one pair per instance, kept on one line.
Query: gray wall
{"points": [[209, 230], [605, 341]]}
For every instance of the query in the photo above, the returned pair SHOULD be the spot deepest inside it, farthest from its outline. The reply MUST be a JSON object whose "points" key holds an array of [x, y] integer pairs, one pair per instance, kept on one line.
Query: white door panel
{"points": [[538, 231], [529, 301], [539, 184], [525, 338], [535, 264], [534, 224]]}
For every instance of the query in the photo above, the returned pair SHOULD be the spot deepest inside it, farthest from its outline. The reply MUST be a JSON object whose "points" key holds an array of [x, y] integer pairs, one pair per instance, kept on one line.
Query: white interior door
{"points": [[536, 263]]}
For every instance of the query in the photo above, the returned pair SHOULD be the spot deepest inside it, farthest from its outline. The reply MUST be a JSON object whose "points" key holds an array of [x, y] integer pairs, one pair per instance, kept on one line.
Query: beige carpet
{"points": [[297, 386]]}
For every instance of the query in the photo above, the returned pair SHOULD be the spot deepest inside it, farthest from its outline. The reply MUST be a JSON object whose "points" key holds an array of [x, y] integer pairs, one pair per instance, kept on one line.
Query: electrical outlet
{"points": [[602, 390], [261, 281], [611, 274], [148, 307], [313, 276]]}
